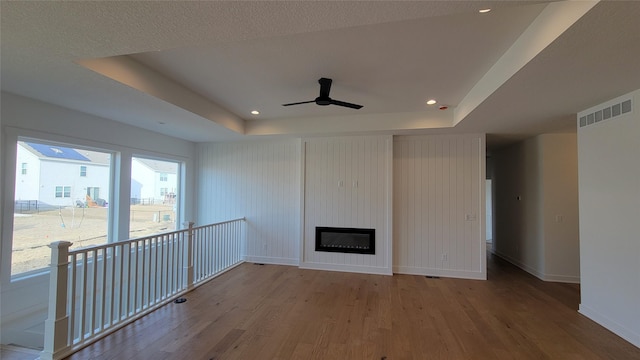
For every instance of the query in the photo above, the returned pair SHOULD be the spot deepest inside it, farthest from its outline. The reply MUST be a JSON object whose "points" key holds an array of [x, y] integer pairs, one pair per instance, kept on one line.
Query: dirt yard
{"points": [[32, 233]]}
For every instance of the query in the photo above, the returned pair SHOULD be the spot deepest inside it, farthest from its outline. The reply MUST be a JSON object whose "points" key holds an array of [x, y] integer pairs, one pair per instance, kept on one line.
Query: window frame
{"points": [[180, 191], [83, 171], [66, 193], [119, 178]]}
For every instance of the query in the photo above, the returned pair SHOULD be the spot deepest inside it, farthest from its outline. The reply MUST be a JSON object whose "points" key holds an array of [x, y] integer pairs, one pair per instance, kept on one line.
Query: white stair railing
{"points": [[96, 290]]}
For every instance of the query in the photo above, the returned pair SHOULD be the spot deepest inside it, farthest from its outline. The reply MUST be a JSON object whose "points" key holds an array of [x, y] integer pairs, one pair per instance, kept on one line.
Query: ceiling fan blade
{"points": [[345, 104], [325, 87], [298, 103]]}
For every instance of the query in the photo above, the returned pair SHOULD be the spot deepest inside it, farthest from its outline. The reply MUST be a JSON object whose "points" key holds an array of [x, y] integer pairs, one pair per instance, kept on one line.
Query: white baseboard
{"points": [[612, 325], [346, 268], [531, 270], [540, 275], [459, 274], [271, 260], [562, 278]]}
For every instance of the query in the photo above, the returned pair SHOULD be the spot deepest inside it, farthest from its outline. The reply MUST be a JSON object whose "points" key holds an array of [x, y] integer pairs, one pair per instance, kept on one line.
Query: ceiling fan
{"points": [[324, 99]]}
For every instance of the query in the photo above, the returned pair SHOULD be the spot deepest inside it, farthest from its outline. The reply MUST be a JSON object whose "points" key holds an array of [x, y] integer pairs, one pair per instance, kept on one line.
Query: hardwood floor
{"points": [[282, 312], [11, 352]]}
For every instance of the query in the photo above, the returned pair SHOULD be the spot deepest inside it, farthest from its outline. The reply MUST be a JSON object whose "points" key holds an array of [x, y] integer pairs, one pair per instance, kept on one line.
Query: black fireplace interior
{"points": [[346, 240]]}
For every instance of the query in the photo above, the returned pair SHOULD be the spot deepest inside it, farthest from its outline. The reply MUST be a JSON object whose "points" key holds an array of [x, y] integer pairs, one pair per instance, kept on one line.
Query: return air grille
{"points": [[606, 113]]}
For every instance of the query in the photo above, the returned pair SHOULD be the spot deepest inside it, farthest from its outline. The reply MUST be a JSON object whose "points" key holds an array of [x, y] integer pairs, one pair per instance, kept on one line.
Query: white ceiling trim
{"points": [[434, 119], [131, 73], [554, 20]]}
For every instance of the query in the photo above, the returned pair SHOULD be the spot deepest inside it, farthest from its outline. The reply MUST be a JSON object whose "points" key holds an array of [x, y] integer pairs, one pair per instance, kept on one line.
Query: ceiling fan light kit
{"points": [[323, 99]]}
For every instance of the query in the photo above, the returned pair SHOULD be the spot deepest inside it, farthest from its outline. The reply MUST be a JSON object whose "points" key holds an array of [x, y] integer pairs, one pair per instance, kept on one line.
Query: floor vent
{"points": [[606, 113]]}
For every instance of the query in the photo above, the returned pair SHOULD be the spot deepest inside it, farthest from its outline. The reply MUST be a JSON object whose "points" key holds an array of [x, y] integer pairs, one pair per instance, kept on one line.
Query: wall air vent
{"points": [[606, 113]]}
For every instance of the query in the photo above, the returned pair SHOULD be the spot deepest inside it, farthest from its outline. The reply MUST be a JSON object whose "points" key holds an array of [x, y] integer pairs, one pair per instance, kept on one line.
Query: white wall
{"points": [[348, 184], [609, 173], [488, 208], [439, 218], [260, 181], [560, 207], [24, 301], [536, 210], [363, 181]]}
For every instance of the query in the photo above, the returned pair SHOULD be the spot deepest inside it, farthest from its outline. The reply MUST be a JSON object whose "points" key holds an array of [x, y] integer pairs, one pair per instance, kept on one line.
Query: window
{"points": [[83, 170], [23, 170], [153, 198], [58, 206], [63, 191]]}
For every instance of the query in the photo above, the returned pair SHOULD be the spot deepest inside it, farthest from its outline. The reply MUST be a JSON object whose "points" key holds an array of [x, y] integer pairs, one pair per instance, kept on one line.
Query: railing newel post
{"points": [[57, 323], [190, 255]]}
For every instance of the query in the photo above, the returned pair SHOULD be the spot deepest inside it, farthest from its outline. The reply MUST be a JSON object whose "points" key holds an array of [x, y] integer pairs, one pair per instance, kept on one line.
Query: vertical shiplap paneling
{"points": [[346, 186], [260, 181], [446, 199], [458, 255], [436, 185]]}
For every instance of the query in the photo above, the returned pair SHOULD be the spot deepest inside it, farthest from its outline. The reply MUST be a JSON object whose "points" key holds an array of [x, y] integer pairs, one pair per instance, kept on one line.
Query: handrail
{"points": [[123, 242], [104, 246], [221, 223], [97, 290]]}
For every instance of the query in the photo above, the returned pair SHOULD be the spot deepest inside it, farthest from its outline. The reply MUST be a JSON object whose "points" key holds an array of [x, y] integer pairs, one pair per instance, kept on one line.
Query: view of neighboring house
{"points": [[153, 181], [60, 176]]}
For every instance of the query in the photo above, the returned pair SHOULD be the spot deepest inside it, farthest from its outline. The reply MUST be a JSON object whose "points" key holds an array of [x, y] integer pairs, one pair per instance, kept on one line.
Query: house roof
{"points": [[56, 152], [46, 151], [158, 165], [196, 70]]}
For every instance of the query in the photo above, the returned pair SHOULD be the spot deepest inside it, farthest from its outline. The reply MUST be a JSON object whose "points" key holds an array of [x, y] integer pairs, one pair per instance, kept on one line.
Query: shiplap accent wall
{"points": [[348, 184], [260, 181], [439, 215]]}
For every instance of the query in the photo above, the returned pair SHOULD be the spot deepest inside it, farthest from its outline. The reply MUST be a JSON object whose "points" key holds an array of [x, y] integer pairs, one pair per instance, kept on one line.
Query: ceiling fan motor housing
{"points": [[323, 101]]}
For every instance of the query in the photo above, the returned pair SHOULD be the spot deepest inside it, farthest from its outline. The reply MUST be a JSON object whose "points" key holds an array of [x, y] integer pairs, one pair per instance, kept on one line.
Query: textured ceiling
{"points": [[195, 69]]}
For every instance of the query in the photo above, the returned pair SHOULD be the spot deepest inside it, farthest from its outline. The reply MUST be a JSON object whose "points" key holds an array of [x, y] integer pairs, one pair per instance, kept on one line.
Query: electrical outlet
{"points": [[445, 257]]}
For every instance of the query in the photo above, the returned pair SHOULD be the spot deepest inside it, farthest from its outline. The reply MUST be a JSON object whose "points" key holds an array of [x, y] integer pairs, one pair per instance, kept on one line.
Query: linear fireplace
{"points": [[346, 240]]}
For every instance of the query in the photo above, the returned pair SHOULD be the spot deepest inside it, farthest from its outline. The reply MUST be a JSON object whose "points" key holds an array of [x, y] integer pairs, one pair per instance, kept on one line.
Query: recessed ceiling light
{"points": [[255, 112], [484, 11], [431, 102]]}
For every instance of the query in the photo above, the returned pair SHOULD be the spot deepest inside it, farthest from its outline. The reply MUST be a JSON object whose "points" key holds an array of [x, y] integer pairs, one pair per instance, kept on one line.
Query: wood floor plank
{"points": [[282, 312]]}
